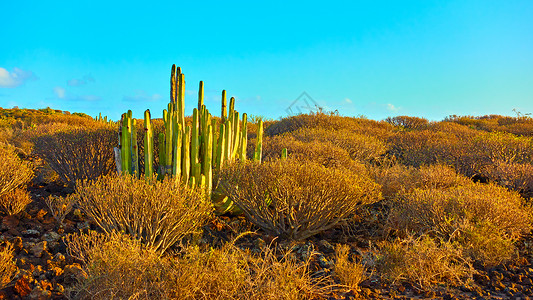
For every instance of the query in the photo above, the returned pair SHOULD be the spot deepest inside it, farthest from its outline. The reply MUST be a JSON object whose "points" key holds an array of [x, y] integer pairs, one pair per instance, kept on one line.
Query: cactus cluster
{"points": [[189, 153]]}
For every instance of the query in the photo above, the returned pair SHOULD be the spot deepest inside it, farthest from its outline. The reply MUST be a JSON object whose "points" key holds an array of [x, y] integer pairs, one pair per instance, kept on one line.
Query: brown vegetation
{"points": [[159, 213], [293, 199]]}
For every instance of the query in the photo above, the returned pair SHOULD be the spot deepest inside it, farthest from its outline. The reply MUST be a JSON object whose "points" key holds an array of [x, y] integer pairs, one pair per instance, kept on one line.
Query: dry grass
{"points": [[423, 261], [79, 153], [350, 273], [7, 265], [14, 201], [13, 171], [120, 268], [159, 213], [294, 199]]}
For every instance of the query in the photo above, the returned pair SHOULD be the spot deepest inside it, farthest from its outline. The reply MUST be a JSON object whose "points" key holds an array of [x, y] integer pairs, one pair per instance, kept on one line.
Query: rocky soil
{"points": [[45, 269]]}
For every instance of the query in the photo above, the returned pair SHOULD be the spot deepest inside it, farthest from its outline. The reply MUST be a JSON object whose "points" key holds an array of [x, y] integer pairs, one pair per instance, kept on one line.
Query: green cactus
{"points": [[259, 142], [201, 95], [148, 146]]}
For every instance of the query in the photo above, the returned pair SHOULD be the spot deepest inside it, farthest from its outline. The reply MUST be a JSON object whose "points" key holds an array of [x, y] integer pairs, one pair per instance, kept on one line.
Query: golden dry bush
{"points": [[397, 179], [294, 199], [14, 201], [360, 147], [328, 121], [514, 176], [14, 172], [425, 261], [350, 273], [159, 213], [7, 266], [407, 122], [118, 267], [323, 153], [79, 153], [60, 206], [475, 215]]}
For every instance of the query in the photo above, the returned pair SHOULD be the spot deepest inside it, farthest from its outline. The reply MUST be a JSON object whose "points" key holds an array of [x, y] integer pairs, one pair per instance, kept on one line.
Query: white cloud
{"points": [[142, 96], [391, 107], [60, 92], [77, 82], [347, 100], [15, 78]]}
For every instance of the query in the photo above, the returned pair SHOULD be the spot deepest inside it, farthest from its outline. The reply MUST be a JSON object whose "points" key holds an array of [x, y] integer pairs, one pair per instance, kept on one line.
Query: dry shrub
{"points": [[327, 121], [120, 268], [293, 199], [323, 153], [407, 122], [60, 206], [396, 179], [468, 151], [424, 261], [79, 153], [7, 266], [14, 201], [360, 146], [476, 215], [159, 213], [13, 171], [350, 273], [23, 138], [514, 176]]}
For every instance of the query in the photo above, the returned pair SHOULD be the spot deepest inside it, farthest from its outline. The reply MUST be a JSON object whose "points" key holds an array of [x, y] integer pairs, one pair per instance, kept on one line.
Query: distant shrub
{"points": [[323, 153], [359, 146], [293, 199], [79, 153], [119, 268], [514, 176], [60, 206], [13, 171], [468, 151], [424, 261], [407, 122], [14, 201], [159, 213], [397, 179], [476, 215], [325, 121]]}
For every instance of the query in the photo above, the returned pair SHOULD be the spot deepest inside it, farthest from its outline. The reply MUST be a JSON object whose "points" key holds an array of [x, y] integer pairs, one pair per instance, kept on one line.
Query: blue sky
{"points": [[373, 58]]}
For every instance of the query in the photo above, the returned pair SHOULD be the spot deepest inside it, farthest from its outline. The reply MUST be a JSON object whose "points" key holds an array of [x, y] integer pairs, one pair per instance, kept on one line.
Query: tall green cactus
{"points": [[189, 153]]}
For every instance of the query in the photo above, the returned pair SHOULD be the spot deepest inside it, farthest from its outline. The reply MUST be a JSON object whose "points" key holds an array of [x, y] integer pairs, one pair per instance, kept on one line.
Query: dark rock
{"points": [[326, 247], [38, 293], [38, 249], [22, 287], [31, 233]]}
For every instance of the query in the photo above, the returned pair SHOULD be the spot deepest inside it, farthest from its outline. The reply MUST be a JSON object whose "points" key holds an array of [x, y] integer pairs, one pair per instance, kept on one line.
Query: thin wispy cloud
{"points": [[79, 82], [15, 78], [348, 100], [141, 96], [391, 107], [60, 92]]}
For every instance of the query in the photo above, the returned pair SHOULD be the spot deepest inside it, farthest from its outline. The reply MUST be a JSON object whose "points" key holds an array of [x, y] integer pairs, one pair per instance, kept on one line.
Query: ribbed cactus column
{"points": [[201, 95], [259, 142], [148, 146]]}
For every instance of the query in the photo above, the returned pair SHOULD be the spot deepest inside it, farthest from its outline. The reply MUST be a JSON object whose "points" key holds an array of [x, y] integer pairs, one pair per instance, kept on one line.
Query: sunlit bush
{"points": [[13, 171], [79, 153], [14, 201], [407, 122], [159, 213], [296, 200]]}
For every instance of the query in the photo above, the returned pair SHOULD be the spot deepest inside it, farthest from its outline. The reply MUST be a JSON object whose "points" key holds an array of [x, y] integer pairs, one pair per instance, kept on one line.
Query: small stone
{"points": [[37, 271], [51, 237], [38, 249], [31, 233], [326, 247], [74, 272], [17, 244], [39, 294]]}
